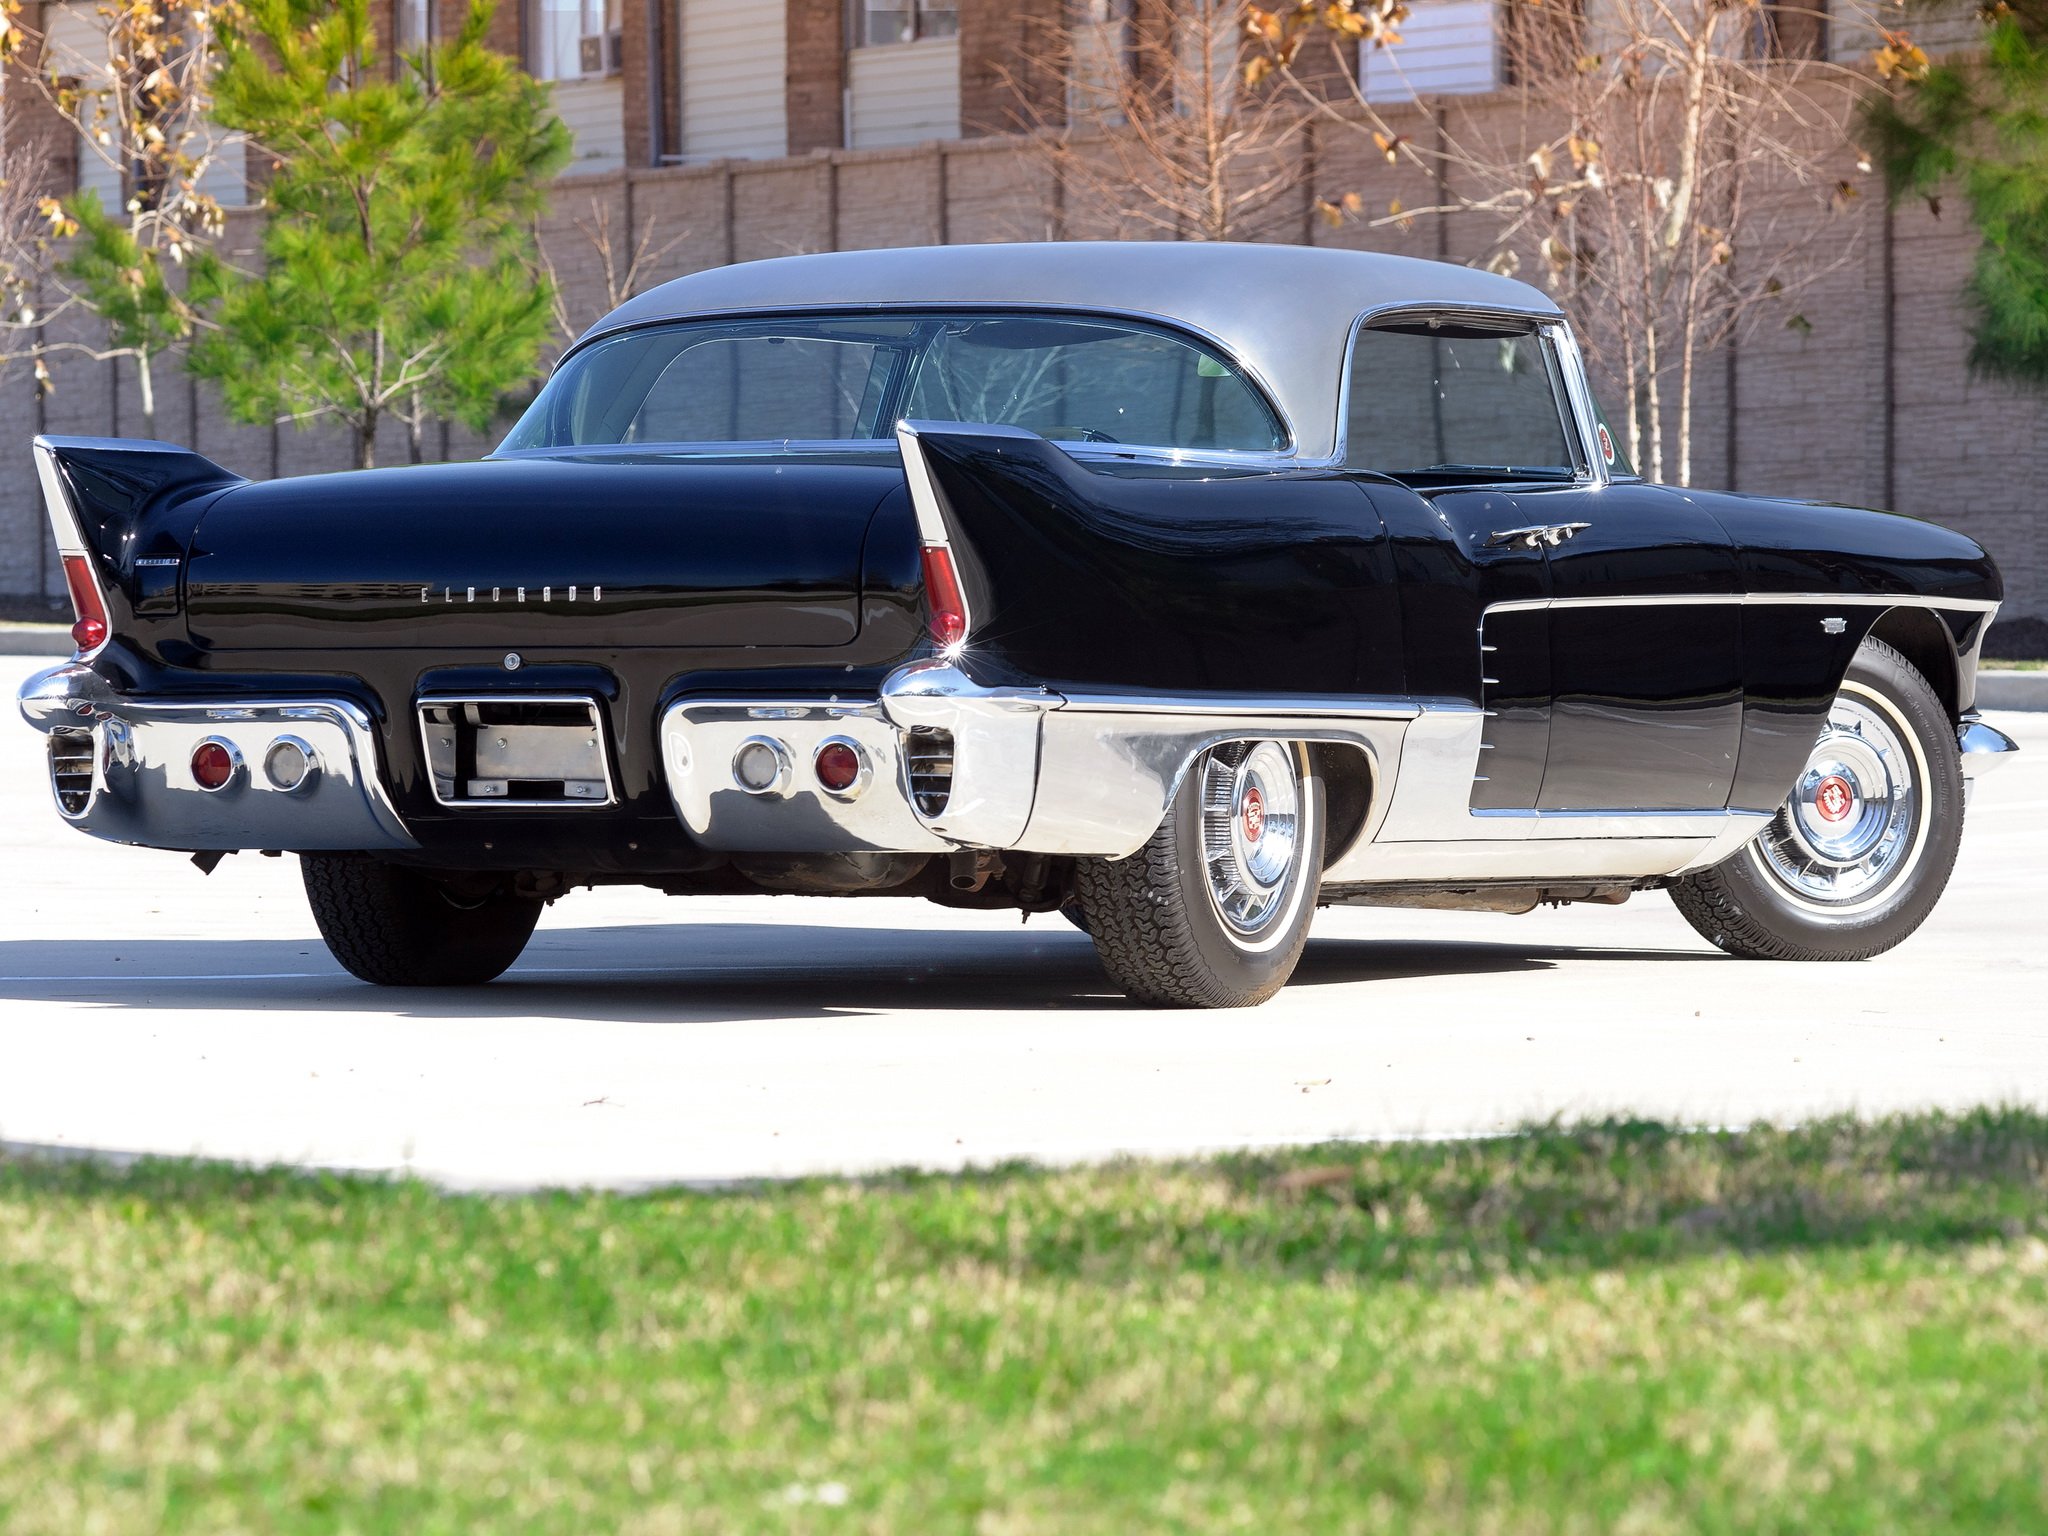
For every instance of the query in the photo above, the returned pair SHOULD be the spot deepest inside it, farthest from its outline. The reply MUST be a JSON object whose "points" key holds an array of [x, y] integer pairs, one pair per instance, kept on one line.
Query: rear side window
{"points": [[1088, 381], [1452, 399]]}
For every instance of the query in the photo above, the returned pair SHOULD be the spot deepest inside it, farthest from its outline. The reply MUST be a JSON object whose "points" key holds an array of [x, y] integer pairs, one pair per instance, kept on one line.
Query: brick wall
{"points": [[1810, 413], [815, 76]]}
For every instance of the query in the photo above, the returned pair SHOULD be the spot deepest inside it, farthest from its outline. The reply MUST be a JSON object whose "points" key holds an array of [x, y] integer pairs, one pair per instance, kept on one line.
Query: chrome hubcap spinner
{"points": [[1852, 824], [1251, 824]]}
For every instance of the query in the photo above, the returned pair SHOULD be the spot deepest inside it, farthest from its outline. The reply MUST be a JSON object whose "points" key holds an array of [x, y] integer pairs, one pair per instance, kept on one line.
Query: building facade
{"points": [[709, 133]]}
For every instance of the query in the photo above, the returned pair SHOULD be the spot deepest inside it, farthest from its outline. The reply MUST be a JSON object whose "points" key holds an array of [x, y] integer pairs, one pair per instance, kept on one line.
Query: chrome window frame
{"points": [[1285, 454], [1556, 334]]}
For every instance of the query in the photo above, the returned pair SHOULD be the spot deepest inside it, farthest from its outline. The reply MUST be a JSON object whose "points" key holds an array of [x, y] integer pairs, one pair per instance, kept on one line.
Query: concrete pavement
{"points": [[644, 1040]]}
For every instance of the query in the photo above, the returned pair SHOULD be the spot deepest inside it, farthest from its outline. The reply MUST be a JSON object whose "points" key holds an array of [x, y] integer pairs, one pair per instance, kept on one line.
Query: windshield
{"points": [[839, 378], [1450, 400]]}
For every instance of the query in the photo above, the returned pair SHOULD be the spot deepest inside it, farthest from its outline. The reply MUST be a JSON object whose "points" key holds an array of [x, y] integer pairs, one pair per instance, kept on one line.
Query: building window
{"points": [[878, 22], [413, 24], [572, 39], [1791, 31]]}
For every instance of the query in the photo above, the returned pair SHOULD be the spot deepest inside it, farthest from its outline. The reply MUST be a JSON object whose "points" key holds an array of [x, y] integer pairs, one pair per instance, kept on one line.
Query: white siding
{"points": [[595, 114], [227, 179], [1446, 49], [1099, 72], [734, 60], [77, 44], [78, 49], [903, 93]]}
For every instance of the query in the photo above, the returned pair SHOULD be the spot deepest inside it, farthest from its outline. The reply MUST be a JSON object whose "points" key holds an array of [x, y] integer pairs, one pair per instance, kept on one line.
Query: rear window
{"points": [[1452, 399], [839, 378]]}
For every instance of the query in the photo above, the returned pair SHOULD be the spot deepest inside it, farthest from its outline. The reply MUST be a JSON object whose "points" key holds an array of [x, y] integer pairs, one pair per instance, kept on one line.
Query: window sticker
{"points": [[1606, 443]]}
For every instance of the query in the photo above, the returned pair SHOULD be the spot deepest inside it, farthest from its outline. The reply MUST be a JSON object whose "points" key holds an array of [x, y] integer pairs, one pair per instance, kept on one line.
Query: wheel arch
{"points": [[1349, 788], [1924, 640]]}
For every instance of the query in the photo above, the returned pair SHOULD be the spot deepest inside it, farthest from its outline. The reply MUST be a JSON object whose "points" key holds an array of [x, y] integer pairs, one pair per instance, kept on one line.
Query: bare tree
{"points": [[1669, 169], [1151, 129], [134, 89], [623, 269], [29, 218]]}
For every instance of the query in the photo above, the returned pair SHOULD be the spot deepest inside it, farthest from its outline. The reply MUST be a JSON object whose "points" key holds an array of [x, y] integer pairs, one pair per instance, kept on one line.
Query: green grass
{"points": [[1599, 1329], [1992, 664]]}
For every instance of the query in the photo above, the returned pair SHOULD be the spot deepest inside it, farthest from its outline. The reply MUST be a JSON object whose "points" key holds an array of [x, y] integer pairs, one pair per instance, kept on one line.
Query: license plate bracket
{"points": [[517, 750]]}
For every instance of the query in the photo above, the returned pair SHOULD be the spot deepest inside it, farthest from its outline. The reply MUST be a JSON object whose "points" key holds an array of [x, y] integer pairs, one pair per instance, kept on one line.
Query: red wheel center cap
{"points": [[1834, 799], [1254, 815]]}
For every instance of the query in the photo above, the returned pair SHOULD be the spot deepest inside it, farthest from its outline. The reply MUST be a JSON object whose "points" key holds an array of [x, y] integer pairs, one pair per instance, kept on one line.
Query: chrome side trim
{"points": [[1752, 600], [1609, 858], [1032, 770], [65, 528], [1578, 389], [1984, 747], [144, 792]]}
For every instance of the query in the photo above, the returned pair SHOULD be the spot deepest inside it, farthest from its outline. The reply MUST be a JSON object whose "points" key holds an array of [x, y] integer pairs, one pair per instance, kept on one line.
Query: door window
{"points": [[1440, 400]]}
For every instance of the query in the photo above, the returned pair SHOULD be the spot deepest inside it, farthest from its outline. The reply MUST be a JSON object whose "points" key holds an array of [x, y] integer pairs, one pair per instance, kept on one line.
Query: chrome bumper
{"points": [[1032, 770], [139, 788], [1983, 747]]}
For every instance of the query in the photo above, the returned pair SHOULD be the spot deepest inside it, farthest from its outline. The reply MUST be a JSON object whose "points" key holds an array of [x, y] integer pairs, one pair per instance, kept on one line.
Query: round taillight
{"points": [[215, 764], [89, 634], [761, 766], [288, 764], [841, 767]]}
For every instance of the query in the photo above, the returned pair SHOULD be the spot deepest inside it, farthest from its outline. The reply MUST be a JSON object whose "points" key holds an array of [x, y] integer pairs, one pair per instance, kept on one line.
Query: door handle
{"points": [[1537, 536]]}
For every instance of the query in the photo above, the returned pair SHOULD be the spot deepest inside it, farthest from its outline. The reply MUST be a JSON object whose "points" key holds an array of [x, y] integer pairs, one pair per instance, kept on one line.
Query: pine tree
{"points": [[399, 277], [1981, 117]]}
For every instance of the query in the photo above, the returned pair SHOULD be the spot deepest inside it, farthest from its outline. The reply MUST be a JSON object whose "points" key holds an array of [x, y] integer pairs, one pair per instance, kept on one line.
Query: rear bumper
{"points": [[127, 769], [1027, 769]]}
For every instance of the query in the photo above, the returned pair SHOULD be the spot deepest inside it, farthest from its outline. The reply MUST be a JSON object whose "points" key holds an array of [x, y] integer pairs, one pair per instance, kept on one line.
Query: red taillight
{"points": [[90, 632], [942, 592], [837, 766], [212, 765]]}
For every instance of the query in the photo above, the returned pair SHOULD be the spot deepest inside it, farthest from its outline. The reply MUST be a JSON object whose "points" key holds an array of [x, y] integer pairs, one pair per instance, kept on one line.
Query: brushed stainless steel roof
{"points": [[1284, 312]]}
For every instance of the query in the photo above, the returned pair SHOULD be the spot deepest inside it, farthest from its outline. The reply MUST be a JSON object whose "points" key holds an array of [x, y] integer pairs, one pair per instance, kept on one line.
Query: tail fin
{"points": [[122, 511], [1164, 576]]}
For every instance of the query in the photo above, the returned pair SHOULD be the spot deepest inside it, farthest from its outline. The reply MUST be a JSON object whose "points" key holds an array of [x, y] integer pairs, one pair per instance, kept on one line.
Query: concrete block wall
{"points": [[1870, 401]]}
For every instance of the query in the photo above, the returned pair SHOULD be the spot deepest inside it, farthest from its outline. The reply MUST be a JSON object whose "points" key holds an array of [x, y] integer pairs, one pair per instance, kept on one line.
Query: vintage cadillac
{"points": [[1182, 589]]}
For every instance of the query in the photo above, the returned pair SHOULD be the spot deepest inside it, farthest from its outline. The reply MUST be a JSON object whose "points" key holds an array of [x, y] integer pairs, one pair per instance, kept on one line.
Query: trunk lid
{"points": [[559, 551]]}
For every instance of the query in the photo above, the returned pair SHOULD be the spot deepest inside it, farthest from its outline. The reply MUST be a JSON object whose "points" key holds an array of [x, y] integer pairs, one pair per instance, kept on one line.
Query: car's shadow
{"points": [[707, 972]]}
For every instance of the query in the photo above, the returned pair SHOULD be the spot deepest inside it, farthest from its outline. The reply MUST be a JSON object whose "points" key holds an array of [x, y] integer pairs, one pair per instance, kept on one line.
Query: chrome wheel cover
{"points": [[1856, 820], [1251, 834]]}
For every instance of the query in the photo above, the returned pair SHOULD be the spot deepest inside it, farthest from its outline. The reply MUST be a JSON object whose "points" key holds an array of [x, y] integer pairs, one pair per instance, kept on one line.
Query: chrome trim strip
{"points": [[64, 523], [66, 529], [1751, 600], [1317, 706], [1596, 858], [1578, 389]]}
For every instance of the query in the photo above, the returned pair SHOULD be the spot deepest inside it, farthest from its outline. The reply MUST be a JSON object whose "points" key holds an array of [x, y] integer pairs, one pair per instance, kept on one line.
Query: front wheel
{"points": [[1214, 910], [397, 927], [1861, 851]]}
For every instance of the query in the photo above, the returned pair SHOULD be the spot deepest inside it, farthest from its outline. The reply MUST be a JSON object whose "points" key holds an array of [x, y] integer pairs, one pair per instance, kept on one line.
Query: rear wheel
{"points": [[1214, 910], [1861, 851], [397, 927]]}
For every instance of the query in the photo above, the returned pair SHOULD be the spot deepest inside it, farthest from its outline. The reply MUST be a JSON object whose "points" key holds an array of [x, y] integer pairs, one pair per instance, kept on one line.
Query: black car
{"points": [[1179, 588]]}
